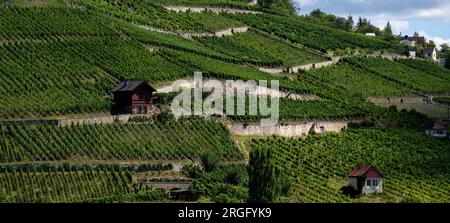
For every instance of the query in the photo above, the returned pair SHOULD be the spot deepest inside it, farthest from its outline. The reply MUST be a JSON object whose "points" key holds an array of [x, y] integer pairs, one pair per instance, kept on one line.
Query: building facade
{"points": [[132, 97], [365, 180]]}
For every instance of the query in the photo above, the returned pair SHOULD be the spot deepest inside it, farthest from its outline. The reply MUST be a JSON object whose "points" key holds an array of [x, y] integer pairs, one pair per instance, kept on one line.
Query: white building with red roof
{"points": [[436, 129], [366, 180]]}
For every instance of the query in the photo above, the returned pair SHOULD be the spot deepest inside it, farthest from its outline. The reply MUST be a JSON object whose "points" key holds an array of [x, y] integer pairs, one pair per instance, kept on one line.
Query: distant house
{"points": [[132, 97], [253, 2], [413, 41], [371, 34], [436, 129], [365, 180], [430, 53], [412, 54], [408, 43]]}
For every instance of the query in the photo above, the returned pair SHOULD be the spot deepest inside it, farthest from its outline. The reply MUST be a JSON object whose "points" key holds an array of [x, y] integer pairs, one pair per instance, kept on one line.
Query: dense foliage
{"points": [[171, 140], [413, 166], [226, 184]]}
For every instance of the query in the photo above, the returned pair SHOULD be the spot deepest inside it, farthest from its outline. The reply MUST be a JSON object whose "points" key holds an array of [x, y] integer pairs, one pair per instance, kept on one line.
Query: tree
{"points": [[266, 3], [388, 30], [349, 23], [445, 48], [316, 13], [266, 179], [341, 23], [282, 6], [431, 44], [210, 161]]}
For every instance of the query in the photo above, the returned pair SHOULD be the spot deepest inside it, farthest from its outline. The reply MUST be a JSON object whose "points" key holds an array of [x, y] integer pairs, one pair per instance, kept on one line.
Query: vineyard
{"points": [[315, 36], [429, 67], [72, 183], [413, 166], [443, 99], [241, 4], [73, 76], [47, 22], [172, 140], [261, 50], [358, 82], [62, 58], [404, 75], [146, 12]]}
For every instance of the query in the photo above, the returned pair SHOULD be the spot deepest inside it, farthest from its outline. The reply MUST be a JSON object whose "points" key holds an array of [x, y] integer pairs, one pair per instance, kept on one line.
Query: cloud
{"points": [[400, 9], [405, 16], [398, 26]]}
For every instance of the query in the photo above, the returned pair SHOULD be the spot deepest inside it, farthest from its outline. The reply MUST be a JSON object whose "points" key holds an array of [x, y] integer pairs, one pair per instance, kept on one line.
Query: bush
{"points": [[192, 171], [210, 161]]}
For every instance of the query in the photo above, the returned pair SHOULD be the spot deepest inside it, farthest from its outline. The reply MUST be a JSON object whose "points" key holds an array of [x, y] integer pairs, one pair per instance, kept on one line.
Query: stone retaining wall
{"points": [[290, 130], [210, 9], [398, 100]]}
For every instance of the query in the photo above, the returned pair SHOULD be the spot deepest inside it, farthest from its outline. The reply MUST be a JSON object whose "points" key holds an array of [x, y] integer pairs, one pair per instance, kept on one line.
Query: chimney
{"points": [[126, 83]]}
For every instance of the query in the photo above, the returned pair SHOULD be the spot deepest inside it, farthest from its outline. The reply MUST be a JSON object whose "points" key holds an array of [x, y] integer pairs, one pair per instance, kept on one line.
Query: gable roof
{"points": [[125, 86], [436, 125], [418, 40], [362, 170]]}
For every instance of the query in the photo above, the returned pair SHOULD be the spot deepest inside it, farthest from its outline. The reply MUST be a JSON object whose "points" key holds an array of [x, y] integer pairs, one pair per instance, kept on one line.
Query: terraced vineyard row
{"points": [[60, 77], [429, 67], [414, 166], [71, 184], [173, 140], [241, 4], [403, 74], [261, 49], [358, 82], [41, 22], [146, 12], [314, 36], [167, 40]]}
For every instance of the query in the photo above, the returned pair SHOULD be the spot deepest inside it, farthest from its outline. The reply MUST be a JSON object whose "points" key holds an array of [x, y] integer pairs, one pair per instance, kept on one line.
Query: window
{"points": [[142, 97], [138, 110], [375, 182], [322, 129], [368, 183]]}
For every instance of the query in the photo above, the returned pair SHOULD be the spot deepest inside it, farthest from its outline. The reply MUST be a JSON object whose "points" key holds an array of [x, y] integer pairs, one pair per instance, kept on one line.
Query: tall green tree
{"points": [[349, 23], [388, 30], [281, 6], [267, 182]]}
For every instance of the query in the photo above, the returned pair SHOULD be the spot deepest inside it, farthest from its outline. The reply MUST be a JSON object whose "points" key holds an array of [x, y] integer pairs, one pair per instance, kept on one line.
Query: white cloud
{"points": [[398, 26]]}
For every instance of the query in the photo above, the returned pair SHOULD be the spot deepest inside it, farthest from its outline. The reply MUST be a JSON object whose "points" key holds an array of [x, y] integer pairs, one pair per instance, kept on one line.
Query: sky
{"points": [[430, 18]]}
